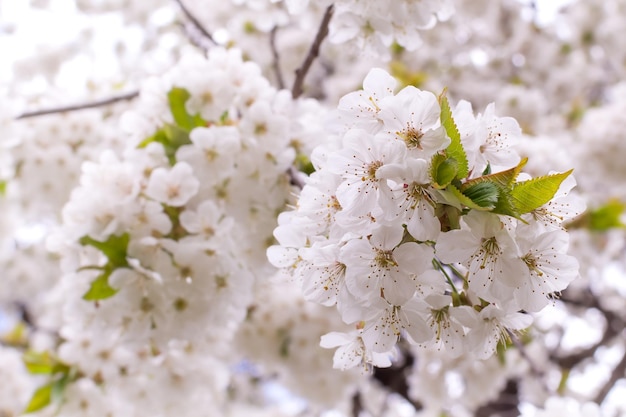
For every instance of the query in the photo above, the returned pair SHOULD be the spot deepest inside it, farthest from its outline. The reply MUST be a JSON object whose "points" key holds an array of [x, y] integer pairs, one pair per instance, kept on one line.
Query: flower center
{"points": [[412, 137], [384, 259], [370, 170], [531, 263]]}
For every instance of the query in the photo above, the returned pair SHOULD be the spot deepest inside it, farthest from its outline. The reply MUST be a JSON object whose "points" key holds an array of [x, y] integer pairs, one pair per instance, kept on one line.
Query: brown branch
{"points": [[618, 372], [394, 378], [98, 103], [196, 22], [506, 404], [613, 325], [276, 61], [357, 405], [314, 51]]}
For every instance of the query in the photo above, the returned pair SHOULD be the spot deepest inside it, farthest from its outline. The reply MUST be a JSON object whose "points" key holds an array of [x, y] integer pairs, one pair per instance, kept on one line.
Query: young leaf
{"points": [[504, 179], [505, 204], [607, 217], [177, 97], [443, 170], [114, 248], [40, 399], [58, 388], [100, 288], [534, 193], [38, 362], [463, 199], [455, 149], [173, 136], [484, 194]]}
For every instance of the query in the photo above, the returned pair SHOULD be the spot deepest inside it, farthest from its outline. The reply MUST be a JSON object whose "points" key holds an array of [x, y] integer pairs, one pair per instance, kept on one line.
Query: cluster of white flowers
{"points": [[558, 406], [167, 240], [376, 25], [403, 227]]}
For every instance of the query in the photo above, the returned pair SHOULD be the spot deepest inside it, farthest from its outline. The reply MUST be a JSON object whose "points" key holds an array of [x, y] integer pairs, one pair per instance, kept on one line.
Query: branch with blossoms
{"points": [[408, 192], [409, 224]]}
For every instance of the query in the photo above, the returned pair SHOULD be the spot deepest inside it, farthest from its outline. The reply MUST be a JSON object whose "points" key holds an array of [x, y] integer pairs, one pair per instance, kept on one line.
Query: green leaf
{"points": [[607, 217], [534, 193], [463, 199], [114, 248], [304, 164], [455, 149], [177, 97], [405, 75], [40, 399], [487, 169], [100, 288], [504, 181], [58, 388], [443, 170], [17, 336], [173, 136], [39, 362], [484, 194]]}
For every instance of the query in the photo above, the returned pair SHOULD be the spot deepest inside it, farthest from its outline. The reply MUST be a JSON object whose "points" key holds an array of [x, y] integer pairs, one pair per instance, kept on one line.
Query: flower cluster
{"points": [[165, 242], [419, 223], [376, 25]]}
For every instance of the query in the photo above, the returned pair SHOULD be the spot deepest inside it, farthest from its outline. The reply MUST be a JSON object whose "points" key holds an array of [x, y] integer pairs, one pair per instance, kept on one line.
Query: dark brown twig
{"points": [[196, 22], [618, 372], [505, 405], [357, 405], [314, 51], [588, 300], [82, 106], [276, 63]]}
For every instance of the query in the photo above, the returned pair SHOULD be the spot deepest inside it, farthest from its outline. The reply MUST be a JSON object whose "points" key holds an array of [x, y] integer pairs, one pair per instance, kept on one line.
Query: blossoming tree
{"points": [[299, 208]]}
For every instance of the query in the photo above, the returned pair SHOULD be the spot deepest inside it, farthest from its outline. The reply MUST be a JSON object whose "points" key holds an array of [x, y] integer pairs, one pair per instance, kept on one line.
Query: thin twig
{"points": [[276, 63], [194, 35], [618, 372], [98, 103], [196, 22], [314, 51], [357, 405]]}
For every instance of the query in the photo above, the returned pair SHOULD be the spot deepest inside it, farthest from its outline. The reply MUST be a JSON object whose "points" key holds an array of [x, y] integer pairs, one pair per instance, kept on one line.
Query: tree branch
{"points": [[506, 404], [314, 51], [357, 405], [276, 61], [196, 22], [614, 323], [618, 372], [394, 378], [98, 103]]}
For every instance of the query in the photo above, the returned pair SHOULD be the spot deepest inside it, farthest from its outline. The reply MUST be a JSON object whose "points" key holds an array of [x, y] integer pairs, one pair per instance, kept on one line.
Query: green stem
{"points": [[439, 266]]}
